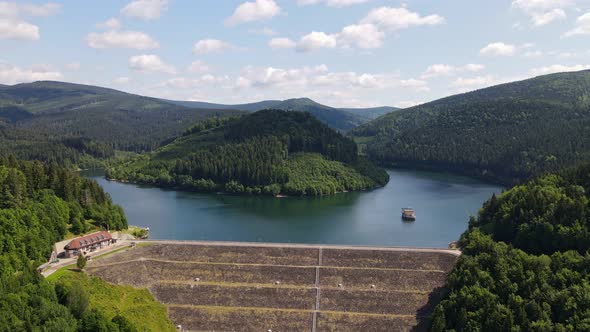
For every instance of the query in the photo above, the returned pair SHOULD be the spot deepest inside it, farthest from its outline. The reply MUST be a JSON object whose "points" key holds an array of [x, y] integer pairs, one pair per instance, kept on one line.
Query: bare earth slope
{"points": [[260, 287]]}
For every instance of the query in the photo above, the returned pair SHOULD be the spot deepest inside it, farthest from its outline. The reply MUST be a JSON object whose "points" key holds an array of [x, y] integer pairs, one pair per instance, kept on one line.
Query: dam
{"points": [[233, 286]]}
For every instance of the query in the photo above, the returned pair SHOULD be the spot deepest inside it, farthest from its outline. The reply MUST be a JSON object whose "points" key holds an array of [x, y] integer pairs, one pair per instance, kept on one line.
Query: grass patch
{"points": [[137, 305]]}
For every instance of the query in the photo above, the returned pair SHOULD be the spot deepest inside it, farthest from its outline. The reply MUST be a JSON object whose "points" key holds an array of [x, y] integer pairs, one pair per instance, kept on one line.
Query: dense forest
{"points": [[525, 263], [80, 125], [508, 133], [267, 152], [40, 204]]}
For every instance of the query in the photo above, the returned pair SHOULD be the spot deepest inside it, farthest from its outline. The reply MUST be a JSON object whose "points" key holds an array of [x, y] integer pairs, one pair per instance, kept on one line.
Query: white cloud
{"points": [[316, 40], [540, 19], [361, 36], [414, 84], [13, 9], [437, 70], [145, 9], [582, 26], [281, 43], [16, 29], [394, 19], [543, 12], [254, 11], [10, 74], [150, 63], [205, 46], [332, 3], [186, 83], [198, 66], [110, 24], [498, 49], [121, 39], [557, 69], [121, 80]]}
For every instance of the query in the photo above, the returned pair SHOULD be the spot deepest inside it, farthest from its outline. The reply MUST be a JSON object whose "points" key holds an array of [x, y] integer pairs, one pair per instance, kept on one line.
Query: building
{"points": [[88, 243]]}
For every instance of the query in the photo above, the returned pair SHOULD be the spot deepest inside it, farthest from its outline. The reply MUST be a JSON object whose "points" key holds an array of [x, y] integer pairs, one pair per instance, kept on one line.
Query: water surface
{"points": [[443, 204]]}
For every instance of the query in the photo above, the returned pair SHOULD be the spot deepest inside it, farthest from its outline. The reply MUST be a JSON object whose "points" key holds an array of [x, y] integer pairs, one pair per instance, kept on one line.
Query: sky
{"points": [[344, 53]]}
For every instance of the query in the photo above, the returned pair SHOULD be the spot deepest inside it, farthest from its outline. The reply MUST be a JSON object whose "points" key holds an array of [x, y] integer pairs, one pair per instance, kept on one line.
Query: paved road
{"points": [[297, 245]]}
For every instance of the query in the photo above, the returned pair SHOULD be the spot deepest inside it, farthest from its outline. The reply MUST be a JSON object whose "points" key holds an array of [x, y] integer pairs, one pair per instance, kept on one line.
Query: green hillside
{"points": [[525, 262], [267, 152], [507, 132], [37, 118]]}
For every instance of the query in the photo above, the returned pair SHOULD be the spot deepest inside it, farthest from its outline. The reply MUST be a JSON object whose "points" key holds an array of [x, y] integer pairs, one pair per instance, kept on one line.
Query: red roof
{"points": [[89, 240]]}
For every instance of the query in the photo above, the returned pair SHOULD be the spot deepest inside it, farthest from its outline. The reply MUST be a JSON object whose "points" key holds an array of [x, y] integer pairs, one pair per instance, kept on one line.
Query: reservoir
{"points": [[443, 204]]}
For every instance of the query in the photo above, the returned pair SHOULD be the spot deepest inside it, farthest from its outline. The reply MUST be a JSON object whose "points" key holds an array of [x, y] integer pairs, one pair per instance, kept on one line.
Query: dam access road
{"points": [[236, 286]]}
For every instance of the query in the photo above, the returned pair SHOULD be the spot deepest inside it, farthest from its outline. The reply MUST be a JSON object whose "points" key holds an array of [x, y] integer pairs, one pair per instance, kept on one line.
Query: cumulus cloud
{"points": [[446, 70], [17, 29], [281, 43], [370, 32], [361, 36], [582, 26], [253, 11], [558, 69], [316, 40], [393, 19], [150, 63], [498, 49], [13, 26], [121, 39], [543, 12], [10, 74], [145, 9], [198, 66], [332, 3], [205, 46], [110, 24]]}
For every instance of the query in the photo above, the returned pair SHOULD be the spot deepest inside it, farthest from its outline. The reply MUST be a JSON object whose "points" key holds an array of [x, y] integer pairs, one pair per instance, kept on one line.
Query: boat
{"points": [[408, 214]]}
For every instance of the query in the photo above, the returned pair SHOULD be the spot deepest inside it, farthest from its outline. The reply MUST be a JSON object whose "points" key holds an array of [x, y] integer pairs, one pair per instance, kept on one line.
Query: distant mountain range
{"points": [[507, 132], [338, 118]]}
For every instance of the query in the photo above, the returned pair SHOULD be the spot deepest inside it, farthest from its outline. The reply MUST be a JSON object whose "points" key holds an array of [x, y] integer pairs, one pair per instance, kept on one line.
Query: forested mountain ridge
{"points": [[338, 118], [39, 205], [267, 152], [525, 262], [38, 121], [508, 132]]}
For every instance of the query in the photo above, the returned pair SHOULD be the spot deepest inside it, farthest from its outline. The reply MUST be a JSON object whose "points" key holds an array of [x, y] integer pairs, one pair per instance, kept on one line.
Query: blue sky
{"points": [[338, 52]]}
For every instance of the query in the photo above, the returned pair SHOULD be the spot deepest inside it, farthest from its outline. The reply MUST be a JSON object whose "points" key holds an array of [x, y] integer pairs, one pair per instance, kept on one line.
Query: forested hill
{"points": [[267, 152], [39, 205], [525, 264], [342, 119], [64, 122], [507, 132]]}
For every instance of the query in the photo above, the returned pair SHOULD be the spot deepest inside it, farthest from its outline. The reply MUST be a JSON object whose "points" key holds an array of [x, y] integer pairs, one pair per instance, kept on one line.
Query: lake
{"points": [[443, 204]]}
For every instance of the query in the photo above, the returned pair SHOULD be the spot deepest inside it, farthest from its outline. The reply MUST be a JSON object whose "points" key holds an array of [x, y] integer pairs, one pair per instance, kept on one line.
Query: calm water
{"points": [[443, 204]]}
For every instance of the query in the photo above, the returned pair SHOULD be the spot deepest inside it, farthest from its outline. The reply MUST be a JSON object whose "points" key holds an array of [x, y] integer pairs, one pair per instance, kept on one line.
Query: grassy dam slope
{"points": [[260, 287]]}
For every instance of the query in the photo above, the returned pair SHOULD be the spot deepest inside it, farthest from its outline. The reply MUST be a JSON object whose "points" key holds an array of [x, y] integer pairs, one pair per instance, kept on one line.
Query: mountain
{"points": [[35, 119], [507, 133], [338, 118], [371, 113], [250, 107], [266, 152]]}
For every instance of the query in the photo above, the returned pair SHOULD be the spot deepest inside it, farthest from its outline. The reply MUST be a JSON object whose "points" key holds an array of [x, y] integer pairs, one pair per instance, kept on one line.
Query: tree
{"points": [[77, 300], [81, 262]]}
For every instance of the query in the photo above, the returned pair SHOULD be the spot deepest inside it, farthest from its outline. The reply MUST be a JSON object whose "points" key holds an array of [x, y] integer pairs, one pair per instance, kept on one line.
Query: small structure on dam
{"points": [[262, 287]]}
